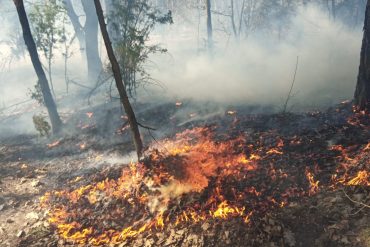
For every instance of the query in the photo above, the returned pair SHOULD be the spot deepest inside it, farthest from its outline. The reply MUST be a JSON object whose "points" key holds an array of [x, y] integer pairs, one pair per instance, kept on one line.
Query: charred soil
{"points": [[231, 179]]}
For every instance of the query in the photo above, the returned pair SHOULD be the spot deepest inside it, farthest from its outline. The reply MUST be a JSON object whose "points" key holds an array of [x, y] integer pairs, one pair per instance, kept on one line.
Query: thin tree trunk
{"points": [[333, 9], [109, 6], [209, 26], [119, 83], [75, 23], [233, 17], [56, 123], [241, 18], [362, 93], [49, 67], [94, 64]]}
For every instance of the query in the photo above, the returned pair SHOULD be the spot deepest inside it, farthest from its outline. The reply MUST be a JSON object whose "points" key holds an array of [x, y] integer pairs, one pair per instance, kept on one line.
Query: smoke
{"points": [[260, 70], [256, 71]]}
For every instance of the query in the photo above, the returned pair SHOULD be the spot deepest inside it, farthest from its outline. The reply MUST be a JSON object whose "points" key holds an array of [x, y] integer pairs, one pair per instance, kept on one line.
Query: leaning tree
{"points": [[119, 82], [362, 94], [48, 100]]}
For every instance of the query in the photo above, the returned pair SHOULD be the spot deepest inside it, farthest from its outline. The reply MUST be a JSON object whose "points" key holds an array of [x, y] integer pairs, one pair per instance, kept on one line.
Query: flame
{"points": [[82, 145], [362, 178], [204, 157], [195, 164], [274, 151], [53, 144], [89, 114], [313, 185], [224, 211], [178, 104], [367, 148], [231, 113]]}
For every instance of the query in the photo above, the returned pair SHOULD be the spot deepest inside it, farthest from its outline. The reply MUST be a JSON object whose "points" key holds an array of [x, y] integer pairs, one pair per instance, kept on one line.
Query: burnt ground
{"points": [[93, 149]]}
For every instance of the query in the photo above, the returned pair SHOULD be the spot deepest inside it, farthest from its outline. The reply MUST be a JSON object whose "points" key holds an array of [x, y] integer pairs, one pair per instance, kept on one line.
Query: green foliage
{"points": [[130, 25], [41, 125], [47, 26], [36, 94]]}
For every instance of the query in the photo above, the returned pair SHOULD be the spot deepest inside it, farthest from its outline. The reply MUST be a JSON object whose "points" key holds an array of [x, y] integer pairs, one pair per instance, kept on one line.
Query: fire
{"points": [[367, 148], [224, 211], [53, 144], [231, 113], [204, 157], [159, 192], [89, 114], [362, 178], [314, 185], [274, 151], [82, 146], [178, 104]]}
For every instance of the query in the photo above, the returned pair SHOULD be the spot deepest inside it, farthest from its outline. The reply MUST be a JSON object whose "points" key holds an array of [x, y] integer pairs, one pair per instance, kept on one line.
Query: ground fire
{"points": [[205, 174], [163, 123]]}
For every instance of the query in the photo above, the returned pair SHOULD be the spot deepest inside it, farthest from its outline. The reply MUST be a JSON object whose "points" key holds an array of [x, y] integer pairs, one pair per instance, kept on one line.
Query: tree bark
{"points": [[209, 26], [109, 6], [233, 18], [55, 120], [362, 93], [94, 65], [75, 23], [333, 9], [119, 83]]}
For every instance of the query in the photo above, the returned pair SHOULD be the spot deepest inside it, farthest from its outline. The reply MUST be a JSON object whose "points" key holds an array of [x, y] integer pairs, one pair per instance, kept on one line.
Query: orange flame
{"points": [[314, 185]]}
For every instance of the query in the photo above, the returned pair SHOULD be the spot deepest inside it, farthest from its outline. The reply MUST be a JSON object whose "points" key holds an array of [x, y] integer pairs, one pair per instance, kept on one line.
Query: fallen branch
{"points": [[145, 127], [356, 202]]}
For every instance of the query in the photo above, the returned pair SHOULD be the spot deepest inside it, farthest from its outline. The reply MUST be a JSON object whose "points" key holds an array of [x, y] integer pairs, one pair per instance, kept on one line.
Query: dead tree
{"points": [[119, 83], [362, 93], [49, 102]]}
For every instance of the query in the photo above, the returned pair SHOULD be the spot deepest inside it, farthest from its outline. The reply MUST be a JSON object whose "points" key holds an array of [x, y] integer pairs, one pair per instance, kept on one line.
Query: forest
{"points": [[185, 123]]}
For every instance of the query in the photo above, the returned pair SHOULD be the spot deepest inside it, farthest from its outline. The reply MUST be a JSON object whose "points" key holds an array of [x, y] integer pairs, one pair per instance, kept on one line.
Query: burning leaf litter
{"points": [[202, 176]]}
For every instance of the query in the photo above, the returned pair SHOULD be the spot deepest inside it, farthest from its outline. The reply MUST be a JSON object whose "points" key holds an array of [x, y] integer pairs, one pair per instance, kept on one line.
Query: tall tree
{"points": [[362, 94], [56, 123], [233, 18], [209, 25], [94, 65], [129, 25], [75, 22], [119, 83], [333, 9], [87, 35]]}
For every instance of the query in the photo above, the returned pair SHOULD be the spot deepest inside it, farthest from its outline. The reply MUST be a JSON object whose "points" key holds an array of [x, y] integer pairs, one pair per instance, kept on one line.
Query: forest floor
{"points": [[305, 180]]}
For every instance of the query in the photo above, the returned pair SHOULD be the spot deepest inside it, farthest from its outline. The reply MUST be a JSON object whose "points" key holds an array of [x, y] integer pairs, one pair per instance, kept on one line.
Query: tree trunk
{"points": [[56, 123], [75, 23], [233, 18], [94, 65], [109, 6], [333, 9], [119, 83], [362, 94], [209, 26]]}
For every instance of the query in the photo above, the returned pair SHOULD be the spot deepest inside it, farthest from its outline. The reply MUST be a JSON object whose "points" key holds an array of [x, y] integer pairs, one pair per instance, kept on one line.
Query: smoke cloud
{"points": [[255, 71], [260, 70]]}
